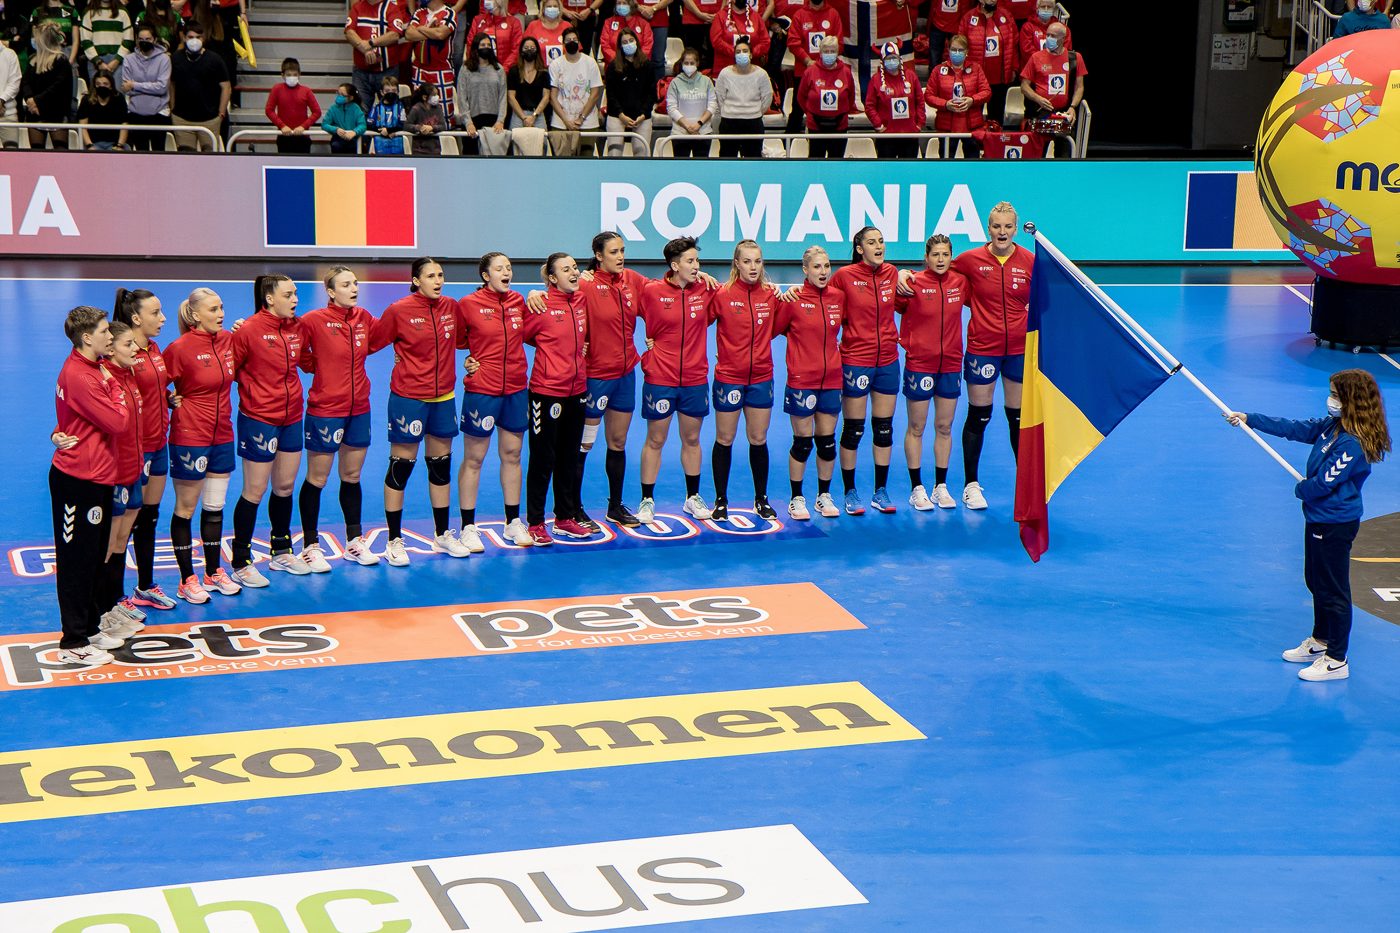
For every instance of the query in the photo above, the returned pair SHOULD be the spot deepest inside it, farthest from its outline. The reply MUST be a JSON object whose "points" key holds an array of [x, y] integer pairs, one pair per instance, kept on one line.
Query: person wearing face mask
{"points": [[505, 33], [10, 74], [1053, 79], [431, 31], [375, 30], [1364, 15], [425, 120], [344, 121], [47, 87], [200, 90], [945, 16], [738, 19], [630, 86], [576, 86], [146, 83], [583, 16], [103, 105], [626, 17], [1352, 436], [895, 104], [527, 87], [957, 90], [809, 24], [744, 93], [548, 31], [828, 95], [65, 17], [385, 119], [292, 108], [164, 23], [481, 100], [691, 104], [992, 45], [1032, 34]]}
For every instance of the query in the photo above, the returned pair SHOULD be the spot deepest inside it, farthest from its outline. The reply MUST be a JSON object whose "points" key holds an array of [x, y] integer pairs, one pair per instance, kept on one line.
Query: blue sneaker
{"points": [[880, 502], [853, 506]]}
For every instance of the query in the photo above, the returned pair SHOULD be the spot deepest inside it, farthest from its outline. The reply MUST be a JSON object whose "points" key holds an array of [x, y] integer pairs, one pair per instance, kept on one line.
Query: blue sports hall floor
{"points": [[1106, 740]]}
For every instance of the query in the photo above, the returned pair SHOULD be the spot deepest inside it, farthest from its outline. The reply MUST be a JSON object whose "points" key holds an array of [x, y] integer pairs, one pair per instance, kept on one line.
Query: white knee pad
{"points": [[590, 434], [215, 492]]}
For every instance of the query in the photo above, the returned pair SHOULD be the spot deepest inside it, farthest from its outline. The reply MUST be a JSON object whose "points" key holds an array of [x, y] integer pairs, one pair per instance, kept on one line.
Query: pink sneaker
{"points": [[154, 598], [570, 528], [539, 535], [221, 581], [192, 591]]}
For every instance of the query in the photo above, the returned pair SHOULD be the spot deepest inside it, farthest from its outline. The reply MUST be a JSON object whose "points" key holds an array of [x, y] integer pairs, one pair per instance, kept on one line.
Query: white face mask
{"points": [[551, 12], [193, 45], [292, 80], [433, 101], [1364, 5], [1334, 404], [689, 70], [629, 49], [489, 6]]}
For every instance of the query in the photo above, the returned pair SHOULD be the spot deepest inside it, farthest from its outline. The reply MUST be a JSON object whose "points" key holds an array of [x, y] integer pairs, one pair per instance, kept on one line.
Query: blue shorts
{"points": [[157, 463], [803, 403], [732, 397], [194, 462], [327, 435], [482, 414], [410, 417], [983, 370], [126, 499], [664, 401], [860, 381], [616, 394], [260, 442], [920, 387]]}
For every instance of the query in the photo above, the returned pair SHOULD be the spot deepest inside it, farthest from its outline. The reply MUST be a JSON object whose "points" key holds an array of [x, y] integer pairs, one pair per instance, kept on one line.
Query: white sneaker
{"points": [[972, 496], [118, 626], [105, 641], [447, 543], [646, 511], [827, 507], [943, 498], [1325, 668], [88, 655], [250, 576], [315, 559], [1309, 651], [135, 622], [288, 563], [396, 554], [797, 509], [471, 539], [696, 506], [519, 534], [919, 500], [358, 551]]}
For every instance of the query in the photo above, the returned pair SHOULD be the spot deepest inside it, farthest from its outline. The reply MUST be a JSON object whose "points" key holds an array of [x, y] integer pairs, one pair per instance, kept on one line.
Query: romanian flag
{"points": [[340, 207], [1223, 211], [1085, 371]]}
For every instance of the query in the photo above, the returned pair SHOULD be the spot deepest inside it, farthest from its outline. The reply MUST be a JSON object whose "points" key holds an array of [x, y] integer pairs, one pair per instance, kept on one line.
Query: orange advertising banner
{"points": [[422, 632]]}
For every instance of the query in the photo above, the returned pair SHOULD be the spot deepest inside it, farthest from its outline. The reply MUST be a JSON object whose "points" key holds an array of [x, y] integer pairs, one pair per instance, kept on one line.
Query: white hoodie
{"points": [[9, 82]]}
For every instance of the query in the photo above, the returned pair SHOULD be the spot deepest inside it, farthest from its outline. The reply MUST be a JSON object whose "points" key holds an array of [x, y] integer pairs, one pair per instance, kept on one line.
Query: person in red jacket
{"points": [[558, 385], [626, 17], [91, 409], [293, 109], [1053, 79], [490, 326], [810, 23], [828, 94], [993, 44], [1031, 38], [944, 19], [742, 311], [201, 366], [422, 326], [697, 16], [931, 333], [676, 371], [736, 19], [811, 321], [999, 284], [958, 90], [335, 346], [505, 31], [895, 104]]}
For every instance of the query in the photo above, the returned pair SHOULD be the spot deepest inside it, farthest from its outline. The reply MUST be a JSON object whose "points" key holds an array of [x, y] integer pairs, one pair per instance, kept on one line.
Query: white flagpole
{"points": [[1138, 331]]}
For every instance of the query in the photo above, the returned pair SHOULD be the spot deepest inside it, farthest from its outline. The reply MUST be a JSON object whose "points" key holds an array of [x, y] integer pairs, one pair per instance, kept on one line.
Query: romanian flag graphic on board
{"points": [[1085, 371], [340, 207], [1223, 211]]}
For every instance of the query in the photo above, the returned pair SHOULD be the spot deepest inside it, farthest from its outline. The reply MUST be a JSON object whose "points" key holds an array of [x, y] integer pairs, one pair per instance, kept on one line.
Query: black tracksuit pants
{"points": [[1327, 572], [82, 523], [556, 430]]}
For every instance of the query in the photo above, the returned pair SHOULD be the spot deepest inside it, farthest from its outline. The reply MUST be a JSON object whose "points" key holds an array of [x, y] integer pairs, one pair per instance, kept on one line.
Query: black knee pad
{"points": [[826, 447], [883, 433], [148, 515], [440, 470], [400, 469], [851, 433], [1013, 417], [977, 418], [801, 448]]}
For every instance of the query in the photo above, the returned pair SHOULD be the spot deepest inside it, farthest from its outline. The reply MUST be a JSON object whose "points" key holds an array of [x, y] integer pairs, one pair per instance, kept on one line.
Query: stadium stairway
{"points": [[311, 31]]}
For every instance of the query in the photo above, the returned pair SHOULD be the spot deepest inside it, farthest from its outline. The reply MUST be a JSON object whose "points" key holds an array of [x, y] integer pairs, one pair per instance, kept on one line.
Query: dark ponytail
{"points": [[265, 285], [126, 303], [419, 265], [600, 241], [855, 242]]}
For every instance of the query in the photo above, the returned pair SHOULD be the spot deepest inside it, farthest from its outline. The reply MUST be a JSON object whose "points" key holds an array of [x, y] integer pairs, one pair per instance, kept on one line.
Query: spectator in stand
{"points": [[895, 104], [658, 19], [630, 84], [992, 45], [293, 109], [103, 105], [583, 15], [425, 120], [1364, 15], [481, 98], [504, 31], [230, 14], [744, 92], [374, 29], [200, 90], [164, 23], [691, 104], [738, 19], [47, 86], [385, 119], [146, 83], [958, 90], [625, 18], [527, 87], [431, 32], [548, 32], [1053, 79], [66, 18], [828, 95], [810, 23], [344, 120], [575, 87], [697, 16], [945, 18], [1032, 35], [106, 37], [10, 75], [1021, 10]]}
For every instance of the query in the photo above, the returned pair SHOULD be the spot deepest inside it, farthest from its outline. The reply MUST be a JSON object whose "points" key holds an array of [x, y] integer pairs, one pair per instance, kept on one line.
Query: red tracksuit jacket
{"points": [[424, 335], [676, 320], [1000, 293], [743, 317], [811, 323], [807, 30], [336, 344], [558, 334], [93, 410], [896, 101], [829, 94], [506, 32], [947, 82], [489, 327], [947, 14], [612, 302], [729, 26], [151, 380], [126, 443], [266, 353], [993, 44], [869, 336], [201, 366], [612, 27], [931, 329]]}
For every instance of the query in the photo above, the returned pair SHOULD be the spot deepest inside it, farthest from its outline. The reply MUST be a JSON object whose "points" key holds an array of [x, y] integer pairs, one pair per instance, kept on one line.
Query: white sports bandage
{"points": [[215, 492], [590, 434]]}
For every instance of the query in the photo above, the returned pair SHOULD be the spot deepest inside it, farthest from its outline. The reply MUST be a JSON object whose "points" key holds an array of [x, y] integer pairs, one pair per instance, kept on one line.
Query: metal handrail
{"points": [[1315, 22], [272, 133], [663, 142], [138, 127]]}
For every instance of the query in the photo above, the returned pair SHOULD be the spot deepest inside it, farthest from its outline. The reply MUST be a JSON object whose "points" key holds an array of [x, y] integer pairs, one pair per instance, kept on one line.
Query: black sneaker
{"points": [[763, 509], [582, 518], [720, 513], [622, 516]]}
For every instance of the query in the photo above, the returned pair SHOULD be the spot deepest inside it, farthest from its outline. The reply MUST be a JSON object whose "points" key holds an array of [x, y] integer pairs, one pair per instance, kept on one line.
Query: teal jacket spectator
{"points": [[1359, 20], [344, 115]]}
